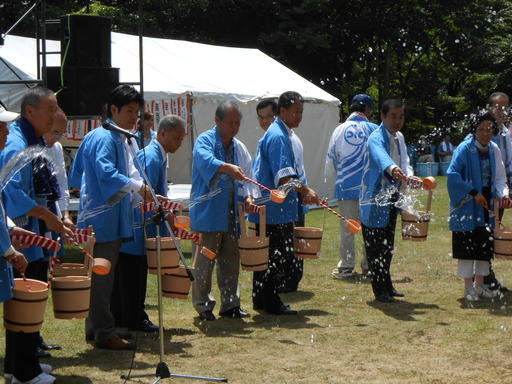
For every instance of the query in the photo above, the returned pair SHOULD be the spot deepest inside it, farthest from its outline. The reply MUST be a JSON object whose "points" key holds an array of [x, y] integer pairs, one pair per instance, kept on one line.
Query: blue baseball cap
{"points": [[363, 99]]}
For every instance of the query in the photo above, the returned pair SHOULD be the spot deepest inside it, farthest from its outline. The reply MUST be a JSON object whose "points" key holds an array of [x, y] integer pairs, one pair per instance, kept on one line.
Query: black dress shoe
{"points": [[396, 293], [42, 354], [384, 298], [147, 326], [49, 347], [284, 310], [235, 313], [206, 316]]}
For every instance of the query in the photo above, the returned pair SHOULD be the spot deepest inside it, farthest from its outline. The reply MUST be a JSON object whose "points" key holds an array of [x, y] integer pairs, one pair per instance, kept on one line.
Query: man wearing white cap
{"points": [[345, 162]]}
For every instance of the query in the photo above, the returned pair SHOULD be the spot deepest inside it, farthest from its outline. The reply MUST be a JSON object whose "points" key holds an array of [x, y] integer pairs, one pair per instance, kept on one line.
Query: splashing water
{"points": [[405, 202], [286, 188], [22, 159]]}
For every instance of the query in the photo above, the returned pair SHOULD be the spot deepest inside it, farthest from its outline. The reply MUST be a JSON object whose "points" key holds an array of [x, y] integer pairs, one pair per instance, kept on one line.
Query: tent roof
{"points": [[175, 67]]}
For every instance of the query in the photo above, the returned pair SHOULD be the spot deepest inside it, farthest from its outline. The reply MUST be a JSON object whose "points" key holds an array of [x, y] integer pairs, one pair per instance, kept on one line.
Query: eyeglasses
{"points": [[268, 117]]}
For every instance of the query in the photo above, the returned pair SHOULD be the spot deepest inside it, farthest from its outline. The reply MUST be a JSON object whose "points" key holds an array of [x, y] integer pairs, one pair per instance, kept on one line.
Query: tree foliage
{"points": [[443, 57]]}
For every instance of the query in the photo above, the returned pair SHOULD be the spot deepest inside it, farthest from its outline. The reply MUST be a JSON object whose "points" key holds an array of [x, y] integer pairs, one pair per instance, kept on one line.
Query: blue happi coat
{"points": [[275, 160], [6, 276], [345, 156], [376, 179], [99, 169], [140, 137], [209, 195], [19, 196], [464, 175], [153, 162]]}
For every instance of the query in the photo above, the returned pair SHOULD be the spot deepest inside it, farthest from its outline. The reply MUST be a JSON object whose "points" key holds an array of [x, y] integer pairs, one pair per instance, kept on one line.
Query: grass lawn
{"points": [[340, 336]]}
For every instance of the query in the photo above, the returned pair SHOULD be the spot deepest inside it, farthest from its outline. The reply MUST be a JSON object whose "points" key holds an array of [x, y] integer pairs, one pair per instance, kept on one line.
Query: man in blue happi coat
{"points": [[31, 196], [386, 168], [21, 363], [220, 165], [276, 164], [129, 294], [499, 105], [110, 188]]}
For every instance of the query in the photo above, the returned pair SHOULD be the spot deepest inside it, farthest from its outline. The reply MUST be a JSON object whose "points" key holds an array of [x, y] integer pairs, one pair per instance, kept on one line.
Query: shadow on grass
{"points": [[294, 297], [498, 306], [223, 327], [401, 309]]}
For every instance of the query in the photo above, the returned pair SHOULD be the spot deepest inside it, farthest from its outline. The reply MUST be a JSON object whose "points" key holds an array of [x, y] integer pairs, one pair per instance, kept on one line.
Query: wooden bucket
{"points": [[78, 269], [415, 228], [503, 244], [170, 257], [307, 242], [176, 284], [25, 311], [253, 249], [502, 237], [71, 297]]}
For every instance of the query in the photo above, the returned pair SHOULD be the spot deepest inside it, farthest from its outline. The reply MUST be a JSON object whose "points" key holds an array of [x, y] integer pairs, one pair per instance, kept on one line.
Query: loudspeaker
{"points": [[85, 89], [85, 41]]}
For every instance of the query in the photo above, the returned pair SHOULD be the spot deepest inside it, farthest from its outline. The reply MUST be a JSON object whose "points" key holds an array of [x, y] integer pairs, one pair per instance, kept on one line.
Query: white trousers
{"points": [[470, 268], [350, 210]]}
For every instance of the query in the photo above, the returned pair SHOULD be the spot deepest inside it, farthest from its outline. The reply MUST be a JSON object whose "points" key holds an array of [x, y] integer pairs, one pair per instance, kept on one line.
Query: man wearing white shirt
{"points": [[445, 150], [386, 168], [57, 155], [110, 187]]}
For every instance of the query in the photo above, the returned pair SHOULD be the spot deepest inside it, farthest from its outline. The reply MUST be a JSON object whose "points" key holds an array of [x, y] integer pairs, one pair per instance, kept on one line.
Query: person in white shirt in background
{"points": [[52, 138], [445, 150]]}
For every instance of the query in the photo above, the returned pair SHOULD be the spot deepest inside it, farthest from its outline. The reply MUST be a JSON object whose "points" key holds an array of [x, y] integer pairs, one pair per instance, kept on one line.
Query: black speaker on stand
{"points": [[86, 76], [85, 89], [85, 41]]}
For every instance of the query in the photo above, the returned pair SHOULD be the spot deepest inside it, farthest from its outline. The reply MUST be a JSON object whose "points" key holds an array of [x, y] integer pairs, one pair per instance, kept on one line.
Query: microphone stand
{"points": [[162, 370]]}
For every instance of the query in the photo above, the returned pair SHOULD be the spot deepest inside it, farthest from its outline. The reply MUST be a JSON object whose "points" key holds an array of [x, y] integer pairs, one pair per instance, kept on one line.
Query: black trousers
{"points": [[379, 244], [129, 292], [20, 355], [266, 283]]}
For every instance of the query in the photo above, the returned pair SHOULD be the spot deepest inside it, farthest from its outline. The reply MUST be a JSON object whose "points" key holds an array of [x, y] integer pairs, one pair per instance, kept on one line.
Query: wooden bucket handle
{"points": [[429, 201], [263, 221], [241, 218], [196, 255]]}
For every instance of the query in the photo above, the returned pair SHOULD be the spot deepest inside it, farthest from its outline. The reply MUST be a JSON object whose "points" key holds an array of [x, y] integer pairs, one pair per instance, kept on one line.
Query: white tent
{"points": [[208, 75]]}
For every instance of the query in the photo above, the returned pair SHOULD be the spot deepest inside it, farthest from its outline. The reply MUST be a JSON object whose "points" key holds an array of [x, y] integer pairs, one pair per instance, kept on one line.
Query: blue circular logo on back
{"points": [[354, 136]]}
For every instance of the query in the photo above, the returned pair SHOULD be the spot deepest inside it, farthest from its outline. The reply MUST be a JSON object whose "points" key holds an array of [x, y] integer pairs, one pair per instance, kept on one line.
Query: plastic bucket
{"points": [[170, 257], [428, 169], [443, 167], [503, 244], [71, 296], [415, 228], [253, 253], [307, 242], [25, 311], [176, 285]]}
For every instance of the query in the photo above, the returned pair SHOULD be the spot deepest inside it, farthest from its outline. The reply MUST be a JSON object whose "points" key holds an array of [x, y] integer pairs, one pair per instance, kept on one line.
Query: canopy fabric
{"points": [[208, 74]]}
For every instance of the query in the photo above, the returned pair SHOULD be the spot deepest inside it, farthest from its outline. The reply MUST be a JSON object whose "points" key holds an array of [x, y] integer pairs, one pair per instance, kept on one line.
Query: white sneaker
{"points": [[340, 273], [485, 292], [46, 368], [470, 294], [42, 378]]}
